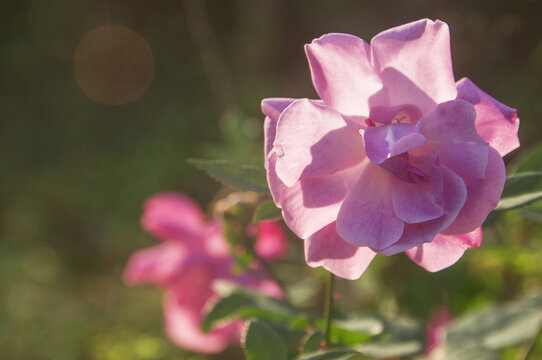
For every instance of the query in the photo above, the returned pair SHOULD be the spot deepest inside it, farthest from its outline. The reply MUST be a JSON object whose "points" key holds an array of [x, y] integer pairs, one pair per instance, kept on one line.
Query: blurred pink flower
{"points": [[396, 156], [271, 240], [436, 329], [193, 254]]}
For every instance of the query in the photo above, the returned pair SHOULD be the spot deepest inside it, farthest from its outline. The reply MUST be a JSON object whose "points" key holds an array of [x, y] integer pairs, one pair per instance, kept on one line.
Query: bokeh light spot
{"points": [[113, 65]]}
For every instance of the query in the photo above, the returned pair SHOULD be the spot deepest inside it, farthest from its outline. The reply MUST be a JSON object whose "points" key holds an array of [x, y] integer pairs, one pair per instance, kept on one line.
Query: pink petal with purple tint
{"points": [[326, 248]]}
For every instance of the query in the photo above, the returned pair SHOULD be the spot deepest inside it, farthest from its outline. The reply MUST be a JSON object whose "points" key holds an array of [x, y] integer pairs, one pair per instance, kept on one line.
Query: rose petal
{"points": [[214, 242], [451, 133], [435, 334], [183, 315], [326, 248], [386, 141], [342, 73], [276, 186], [314, 140], [172, 216], [312, 203], [158, 265], [496, 123], [366, 218], [415, 63], [419, 202], [406, 113], [272, 108], [258, 278], [271, 243], [453, 198], [444, 250], [483, 196]]}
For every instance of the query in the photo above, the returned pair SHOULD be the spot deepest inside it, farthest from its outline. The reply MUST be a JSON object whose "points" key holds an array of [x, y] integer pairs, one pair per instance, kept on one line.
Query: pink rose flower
{"points": [[271, 241], [191, 257], [396, 156]]}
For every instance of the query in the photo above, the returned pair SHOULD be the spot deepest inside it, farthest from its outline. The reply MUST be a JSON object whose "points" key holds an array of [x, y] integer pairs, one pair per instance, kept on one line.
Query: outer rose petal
{"points": [[366, 217], [172, 216], [183, 323], [271, 243], [158, 265], [276, 186], [483, 196], [415, 63], [314, 140], [312, 203], [451, 133], [496, 123], [326, 248], [342, 73], [444, 250], [272, 108]]}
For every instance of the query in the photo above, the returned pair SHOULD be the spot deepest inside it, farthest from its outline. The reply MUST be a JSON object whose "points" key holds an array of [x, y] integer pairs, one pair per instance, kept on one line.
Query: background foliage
{"points": [[75, 171]]}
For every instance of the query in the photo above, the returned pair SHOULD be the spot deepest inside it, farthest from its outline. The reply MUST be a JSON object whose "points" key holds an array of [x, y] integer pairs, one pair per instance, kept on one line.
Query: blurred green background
{"points": [[84, 142]]}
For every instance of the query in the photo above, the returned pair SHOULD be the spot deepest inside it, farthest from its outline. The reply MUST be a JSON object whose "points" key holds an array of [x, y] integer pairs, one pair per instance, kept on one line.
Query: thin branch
{"points": [[328, 307]]}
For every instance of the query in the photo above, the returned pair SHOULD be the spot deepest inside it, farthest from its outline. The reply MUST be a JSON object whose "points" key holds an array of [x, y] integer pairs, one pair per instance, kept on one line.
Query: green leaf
{"points": [[520, 189], [291, 335], [261, 342], [244, 177], [404, 338], [499, 326], [471, 350], [334, 354], [510, 203], [267, 211], [243, 304], [312, 341], [521, 183], [533, 212], [355, 329]]}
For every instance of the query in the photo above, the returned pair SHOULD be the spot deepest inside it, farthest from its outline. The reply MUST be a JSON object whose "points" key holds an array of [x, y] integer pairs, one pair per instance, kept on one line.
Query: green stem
{"points": [[328, 307]]}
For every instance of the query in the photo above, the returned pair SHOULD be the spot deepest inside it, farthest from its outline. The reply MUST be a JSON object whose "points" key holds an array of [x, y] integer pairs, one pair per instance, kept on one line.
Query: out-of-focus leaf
{"points": [[521, 183], [499, 326], [472, 350], [267, 211], [304, 292], [244, 177], [335, 354], [369, 324], [532, 161], [261, 342], [401, 337], [292, 336], [513, 202], [520, 189], [312, 341], [356, 330], [531, 212], [243, 304]]}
